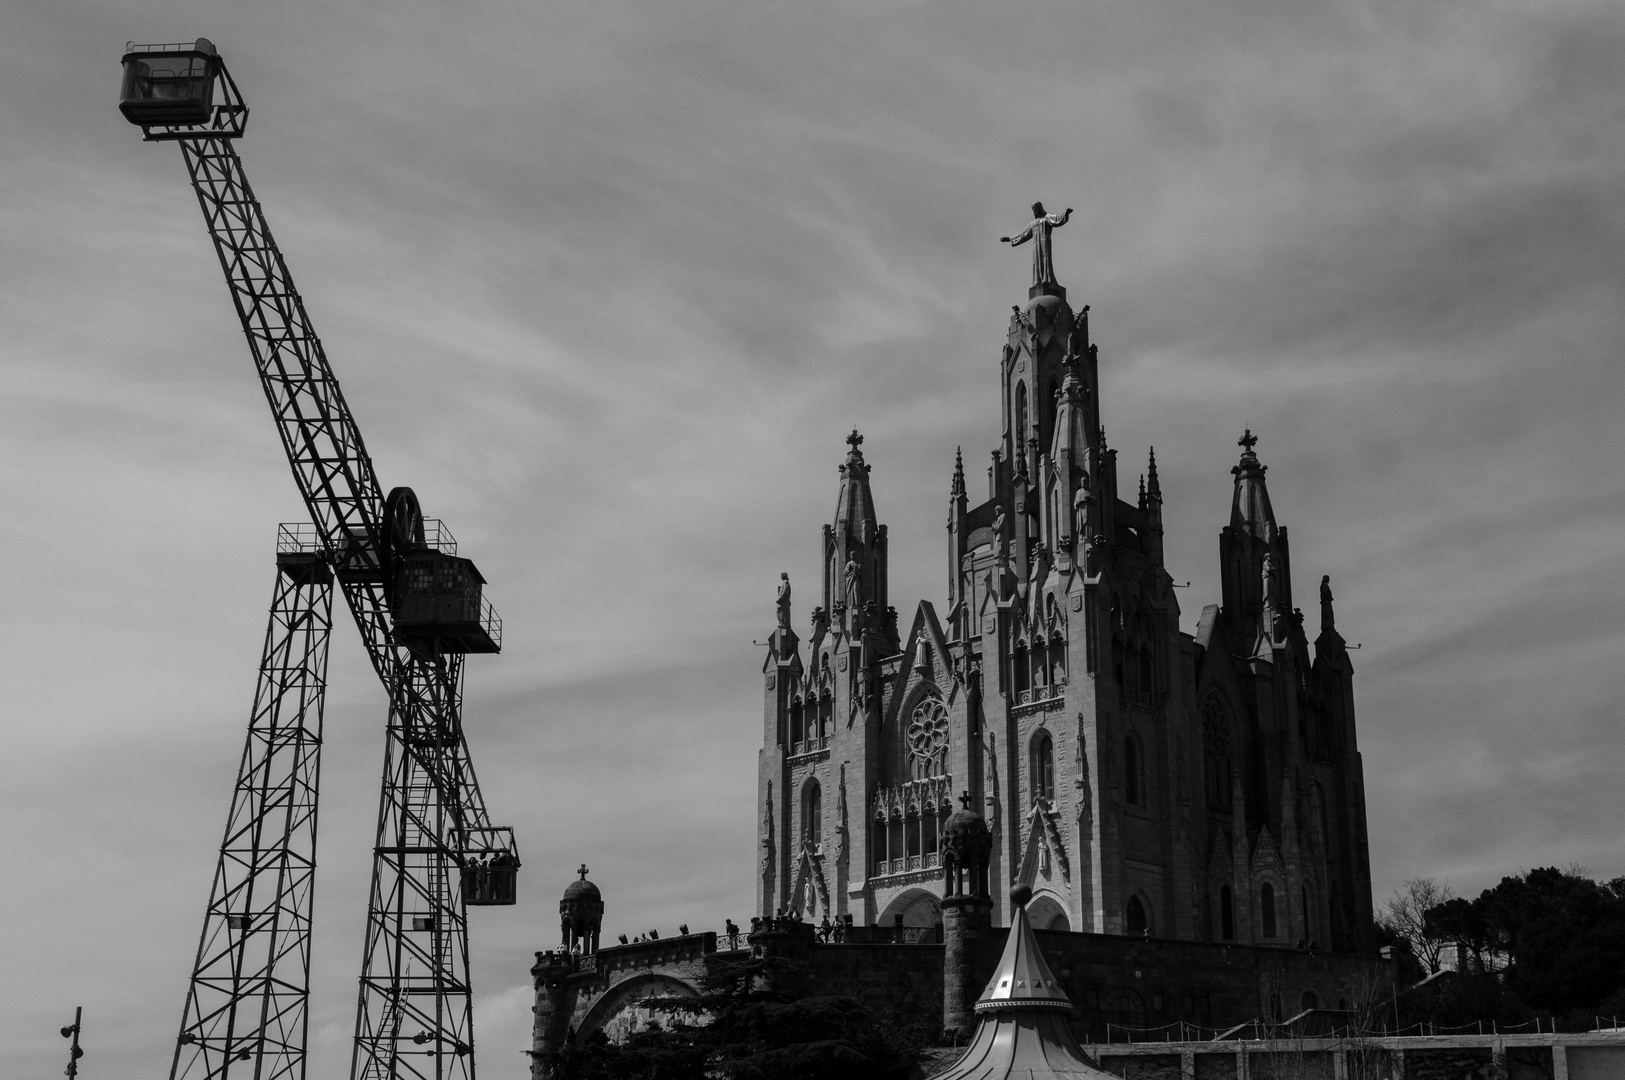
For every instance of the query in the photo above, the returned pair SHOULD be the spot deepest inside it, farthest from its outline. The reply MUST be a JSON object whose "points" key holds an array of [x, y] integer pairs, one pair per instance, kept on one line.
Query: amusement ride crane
{"points": [[420, 610]]}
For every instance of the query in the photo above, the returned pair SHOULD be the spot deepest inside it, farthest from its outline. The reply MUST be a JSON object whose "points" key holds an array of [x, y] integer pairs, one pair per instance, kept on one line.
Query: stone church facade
{"points": [[1143, 780], [1187, 809]]}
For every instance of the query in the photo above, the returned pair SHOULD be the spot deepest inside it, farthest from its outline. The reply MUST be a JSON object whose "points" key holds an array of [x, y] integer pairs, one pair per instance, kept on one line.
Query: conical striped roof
{"points": [[1021, 1025], [1023, 978]]}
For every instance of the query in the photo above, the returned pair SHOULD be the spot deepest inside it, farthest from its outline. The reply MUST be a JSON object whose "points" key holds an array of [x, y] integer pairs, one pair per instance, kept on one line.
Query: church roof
{"points": [[1021, 1028]]}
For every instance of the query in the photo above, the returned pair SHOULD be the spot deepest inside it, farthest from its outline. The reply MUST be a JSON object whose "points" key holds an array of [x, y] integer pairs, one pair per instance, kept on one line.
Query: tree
{"points": [[1562, 934], [1405, 916], [750, 1024]]}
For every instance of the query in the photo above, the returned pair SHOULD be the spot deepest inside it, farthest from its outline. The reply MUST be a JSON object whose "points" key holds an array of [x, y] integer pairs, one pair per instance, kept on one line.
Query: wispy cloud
{"points": [[608, 283]]}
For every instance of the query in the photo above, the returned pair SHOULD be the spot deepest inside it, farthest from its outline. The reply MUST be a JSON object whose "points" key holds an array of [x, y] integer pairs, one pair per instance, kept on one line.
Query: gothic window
{"points": [[798, 727], [1227, 914], [927, 737], [1321, 824], [1042, 772], [1146, 672], [1216, 756], [1138, 922], [812, 813], [1125, 1008], [1022, 671], [911, 834], [1020, 434], [826, 711], [1131, 771], [1266, 908]]}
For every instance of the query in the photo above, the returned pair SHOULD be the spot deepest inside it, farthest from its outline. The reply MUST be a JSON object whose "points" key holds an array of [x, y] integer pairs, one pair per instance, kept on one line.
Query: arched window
{"points": [[1322, 825], [1023, 672], [1137, 920], [1043, 766], [1019, 435], [1131, 771], [1227, 914], [1266, 908], [1303, 895], [1216, 756], [812, 813], [798, 729]]}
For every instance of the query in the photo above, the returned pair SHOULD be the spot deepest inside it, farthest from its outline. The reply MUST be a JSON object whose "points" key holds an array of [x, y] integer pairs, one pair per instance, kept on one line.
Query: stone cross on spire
{"points": [[1248, 440], [854, 440], [582, 871]]}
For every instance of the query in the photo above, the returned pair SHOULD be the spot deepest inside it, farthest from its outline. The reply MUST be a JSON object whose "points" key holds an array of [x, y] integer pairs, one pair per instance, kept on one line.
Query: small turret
{"points": [[966, 909], [1254, 557], [855, 551], [581, 913]]}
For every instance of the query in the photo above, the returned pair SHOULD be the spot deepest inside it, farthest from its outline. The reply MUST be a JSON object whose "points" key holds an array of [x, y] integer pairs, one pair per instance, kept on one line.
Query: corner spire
{"points": [[1250, 509], [958, 488], [1153, 487]]}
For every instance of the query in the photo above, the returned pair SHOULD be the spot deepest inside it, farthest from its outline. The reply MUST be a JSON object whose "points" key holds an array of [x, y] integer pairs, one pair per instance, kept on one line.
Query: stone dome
{"points": [[1049, 312], [582, 891], [965, 833]]}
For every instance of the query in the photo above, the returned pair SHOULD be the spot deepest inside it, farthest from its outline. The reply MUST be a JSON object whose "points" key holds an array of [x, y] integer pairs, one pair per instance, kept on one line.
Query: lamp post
{"points": [[74, 1051]]}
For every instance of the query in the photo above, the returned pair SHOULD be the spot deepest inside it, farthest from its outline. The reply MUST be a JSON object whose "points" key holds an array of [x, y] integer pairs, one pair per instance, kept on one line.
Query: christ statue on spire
{"points": [[1038, 232]]}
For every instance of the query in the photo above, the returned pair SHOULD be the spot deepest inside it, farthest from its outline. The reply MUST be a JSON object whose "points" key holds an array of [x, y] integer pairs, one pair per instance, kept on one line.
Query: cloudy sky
{"points": [[608, 282]]}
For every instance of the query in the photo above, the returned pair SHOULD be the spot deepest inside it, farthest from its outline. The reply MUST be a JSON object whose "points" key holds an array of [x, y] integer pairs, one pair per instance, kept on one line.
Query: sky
{"points": [[608, 283]]}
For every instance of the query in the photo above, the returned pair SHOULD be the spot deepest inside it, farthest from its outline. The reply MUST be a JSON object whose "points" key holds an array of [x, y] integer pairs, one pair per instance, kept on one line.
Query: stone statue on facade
{"points": [[783, 601], [1038, 232], [1326, 620], [853, 586]]}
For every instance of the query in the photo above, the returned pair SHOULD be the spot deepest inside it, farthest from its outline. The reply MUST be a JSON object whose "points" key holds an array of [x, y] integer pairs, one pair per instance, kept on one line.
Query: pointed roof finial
{"points": [[854, 440], [1248, 441], [1152, 485]]}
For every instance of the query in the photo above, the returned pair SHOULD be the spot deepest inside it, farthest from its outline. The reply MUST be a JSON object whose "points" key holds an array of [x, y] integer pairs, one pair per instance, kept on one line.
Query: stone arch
{"points": [[1041, 764], [1137, 917], [1125, 1008], [812, 811], [618, 1013], [1133, 770], [918, 907], [1045, 912], [1219, 757]]}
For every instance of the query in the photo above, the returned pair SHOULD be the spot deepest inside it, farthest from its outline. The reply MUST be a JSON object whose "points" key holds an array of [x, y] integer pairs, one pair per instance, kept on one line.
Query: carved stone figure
{"points": [[784, 601], [1080, 514], [854, 600], [1326, 619], [1038, 232]]}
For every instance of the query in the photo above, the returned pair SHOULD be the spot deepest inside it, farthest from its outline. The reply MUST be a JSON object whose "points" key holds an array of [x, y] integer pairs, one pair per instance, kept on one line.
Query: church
{"points": [[1182, 814], [1141, 779]]}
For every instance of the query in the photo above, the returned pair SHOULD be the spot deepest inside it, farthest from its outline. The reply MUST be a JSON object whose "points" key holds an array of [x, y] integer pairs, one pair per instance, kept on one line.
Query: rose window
{"points": [[928, 739]]}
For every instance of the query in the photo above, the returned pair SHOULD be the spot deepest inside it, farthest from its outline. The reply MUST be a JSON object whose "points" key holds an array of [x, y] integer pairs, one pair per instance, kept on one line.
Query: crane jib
{"points": [[419, 608]]}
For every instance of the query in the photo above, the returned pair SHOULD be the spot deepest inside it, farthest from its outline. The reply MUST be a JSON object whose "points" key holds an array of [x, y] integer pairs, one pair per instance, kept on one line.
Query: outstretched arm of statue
{"points": [[1020, 238], [1062, 219]]}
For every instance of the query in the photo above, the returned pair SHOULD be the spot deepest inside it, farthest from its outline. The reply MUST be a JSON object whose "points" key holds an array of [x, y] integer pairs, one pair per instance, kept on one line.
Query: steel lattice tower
{"points": [[414, 1016], [247, 1000]]}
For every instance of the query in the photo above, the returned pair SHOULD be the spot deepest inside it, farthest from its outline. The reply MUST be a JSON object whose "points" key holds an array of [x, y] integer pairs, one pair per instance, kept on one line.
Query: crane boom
{"points": [[418, 606]]}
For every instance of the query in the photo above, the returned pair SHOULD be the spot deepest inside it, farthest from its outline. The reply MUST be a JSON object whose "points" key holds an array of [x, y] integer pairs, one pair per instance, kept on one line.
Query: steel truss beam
{"points": [[432, 816], [245, 1008]]}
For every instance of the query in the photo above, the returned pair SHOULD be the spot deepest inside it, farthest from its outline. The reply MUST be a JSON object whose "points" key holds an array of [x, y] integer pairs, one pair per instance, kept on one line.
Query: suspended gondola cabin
{"points": [[169, 84]]}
